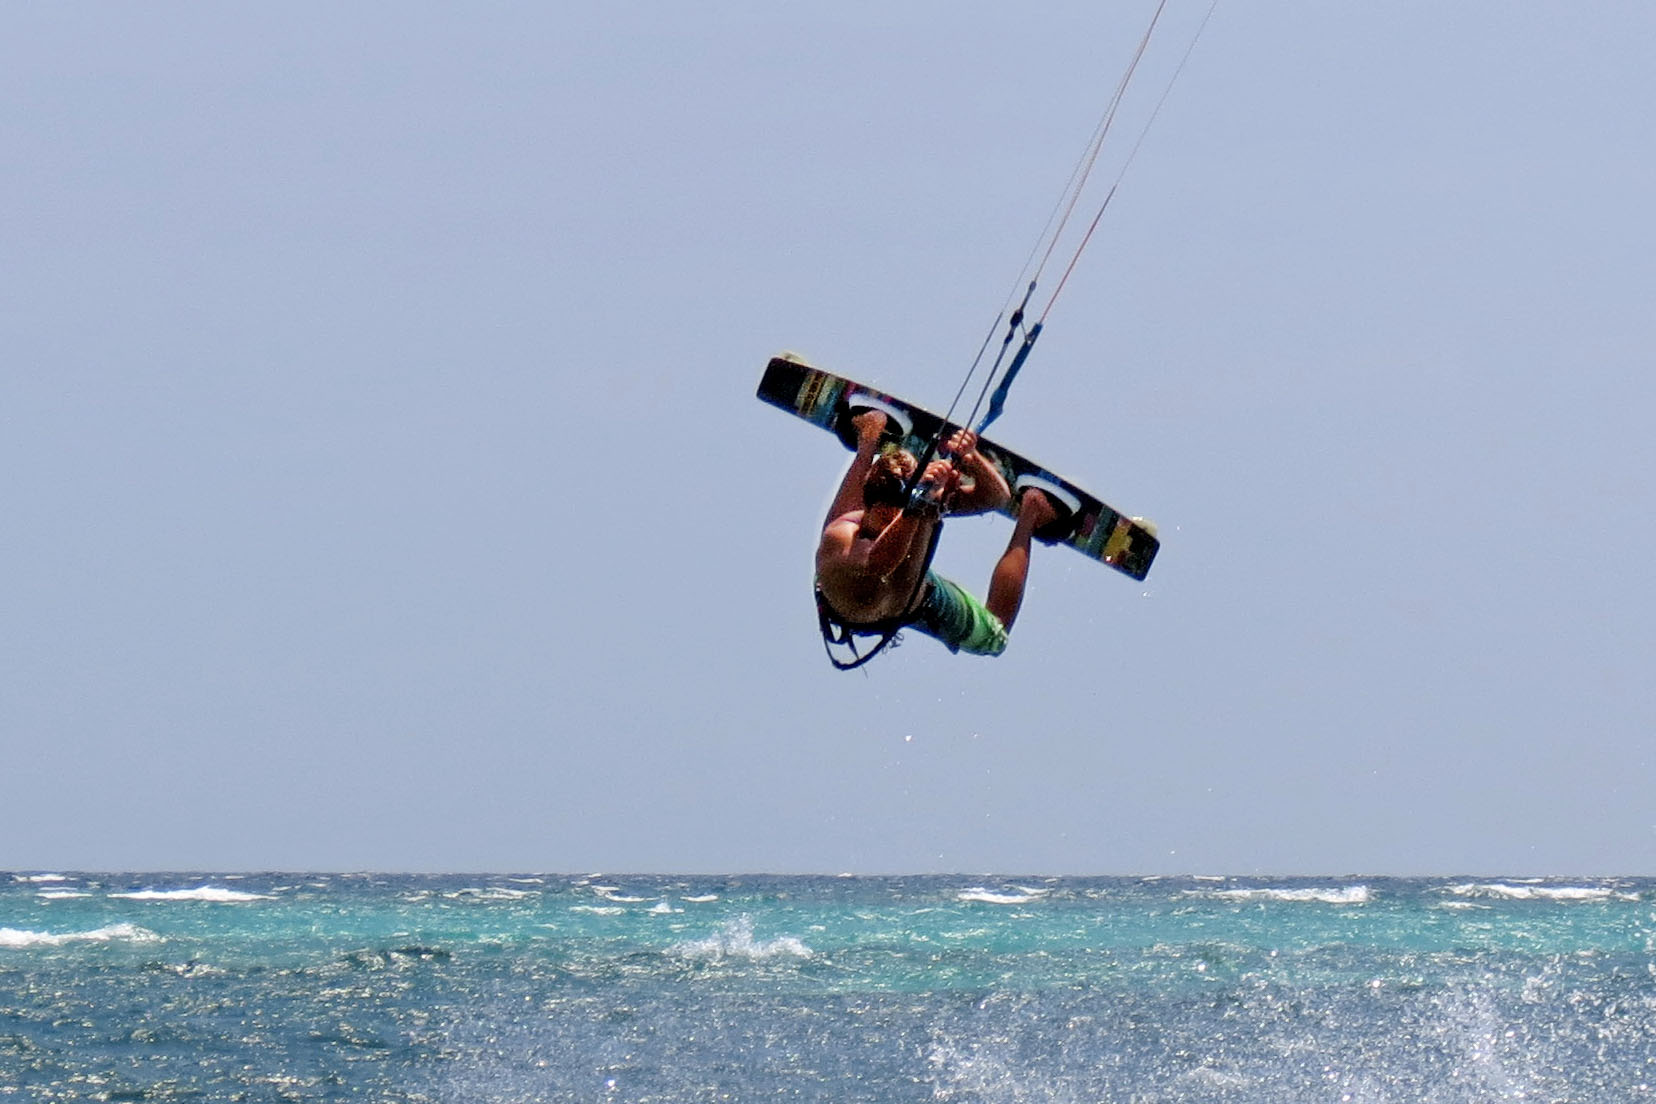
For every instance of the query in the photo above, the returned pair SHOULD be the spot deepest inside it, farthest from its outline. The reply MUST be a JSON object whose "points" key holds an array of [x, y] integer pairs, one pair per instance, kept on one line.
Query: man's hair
{"points": [[886, 483]]}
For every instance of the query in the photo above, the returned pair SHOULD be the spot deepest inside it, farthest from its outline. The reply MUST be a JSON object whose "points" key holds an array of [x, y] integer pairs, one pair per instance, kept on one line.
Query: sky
{"points": [[383, 485]]}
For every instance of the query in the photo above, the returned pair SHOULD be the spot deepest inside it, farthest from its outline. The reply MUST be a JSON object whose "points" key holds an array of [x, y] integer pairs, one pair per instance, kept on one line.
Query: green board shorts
{"points": [[949, 614]]}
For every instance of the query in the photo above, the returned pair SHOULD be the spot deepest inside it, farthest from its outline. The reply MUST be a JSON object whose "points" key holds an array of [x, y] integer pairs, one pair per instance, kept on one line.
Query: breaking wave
{"points": [[1322, 895], [735, 940], [489, 893], [1023, 896], [214, 894], [20, 939], [1526, 891]]}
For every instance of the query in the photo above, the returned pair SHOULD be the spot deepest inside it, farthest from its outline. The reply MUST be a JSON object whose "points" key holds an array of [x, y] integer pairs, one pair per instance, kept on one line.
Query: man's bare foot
{"points": [[1035, 506], [870, 425]]}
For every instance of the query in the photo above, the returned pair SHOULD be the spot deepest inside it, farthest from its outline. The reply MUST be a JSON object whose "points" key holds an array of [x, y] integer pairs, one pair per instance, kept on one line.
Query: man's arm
{"points": [[887, 551], [842, 549], [895, 544], [870, 425]]}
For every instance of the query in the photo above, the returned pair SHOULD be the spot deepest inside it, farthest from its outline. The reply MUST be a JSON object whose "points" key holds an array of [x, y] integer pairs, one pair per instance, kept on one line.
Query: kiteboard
{"points": [[1085, 523]]}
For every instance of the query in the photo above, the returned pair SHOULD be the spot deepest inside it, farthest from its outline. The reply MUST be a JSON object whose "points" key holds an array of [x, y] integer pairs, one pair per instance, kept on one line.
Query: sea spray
{"points": [[529, 988]]}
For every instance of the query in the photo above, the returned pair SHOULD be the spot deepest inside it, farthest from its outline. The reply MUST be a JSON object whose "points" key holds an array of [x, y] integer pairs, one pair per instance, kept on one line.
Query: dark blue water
{"points": [[634, 989]]}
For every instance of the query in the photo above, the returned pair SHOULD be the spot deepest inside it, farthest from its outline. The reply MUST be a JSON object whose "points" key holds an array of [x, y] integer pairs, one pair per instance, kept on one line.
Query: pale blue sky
{"points": [[383, 486]]}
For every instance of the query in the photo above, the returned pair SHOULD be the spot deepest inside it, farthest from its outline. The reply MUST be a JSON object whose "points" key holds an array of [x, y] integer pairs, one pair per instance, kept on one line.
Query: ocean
{"points": [[612, 989]]}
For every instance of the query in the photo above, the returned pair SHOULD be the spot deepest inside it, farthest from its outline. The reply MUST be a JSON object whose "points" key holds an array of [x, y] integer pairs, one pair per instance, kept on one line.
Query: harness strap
{"points": [[837, 630]]}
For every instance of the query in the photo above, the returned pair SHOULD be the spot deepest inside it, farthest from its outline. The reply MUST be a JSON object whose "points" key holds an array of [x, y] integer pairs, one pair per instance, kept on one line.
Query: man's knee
{"points": [[988, 636]]}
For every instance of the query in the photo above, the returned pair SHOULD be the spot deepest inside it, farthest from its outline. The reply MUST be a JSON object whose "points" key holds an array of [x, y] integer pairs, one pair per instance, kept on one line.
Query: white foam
{"points": [[703, 899], [990, 897], [214, 894], [735, 940], [39, 878], [662, 908], [1322, 895], [490, 893], [1211, 1078], [598, 910], [1525, 891], [18, 939], [60, 894], [613, 893]]}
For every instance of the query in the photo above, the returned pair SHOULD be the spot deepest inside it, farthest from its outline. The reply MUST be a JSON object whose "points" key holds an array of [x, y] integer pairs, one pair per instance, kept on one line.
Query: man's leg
{"points": [[1006, 586]]}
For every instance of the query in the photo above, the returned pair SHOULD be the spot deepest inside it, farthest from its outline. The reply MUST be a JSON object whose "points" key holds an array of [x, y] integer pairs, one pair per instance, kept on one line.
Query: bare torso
{"points": [[857, 592]]}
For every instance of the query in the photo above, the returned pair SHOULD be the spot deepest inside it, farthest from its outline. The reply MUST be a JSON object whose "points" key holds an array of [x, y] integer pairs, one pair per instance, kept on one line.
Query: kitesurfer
{"points": [[873, 571]]}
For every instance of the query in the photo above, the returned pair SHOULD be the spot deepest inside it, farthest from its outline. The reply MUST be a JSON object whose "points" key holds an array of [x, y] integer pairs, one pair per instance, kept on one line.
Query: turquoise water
{"points": [[288, 987]]}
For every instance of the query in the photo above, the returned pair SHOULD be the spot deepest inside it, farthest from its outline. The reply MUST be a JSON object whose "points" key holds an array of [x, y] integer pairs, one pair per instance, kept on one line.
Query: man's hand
{"points": [[986, 489], [943, 473], [937, 487], [962, 443]]}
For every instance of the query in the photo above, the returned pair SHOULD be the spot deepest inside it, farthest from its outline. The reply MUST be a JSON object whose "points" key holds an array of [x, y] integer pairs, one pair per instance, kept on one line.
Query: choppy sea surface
{"points": [[300, 987]]}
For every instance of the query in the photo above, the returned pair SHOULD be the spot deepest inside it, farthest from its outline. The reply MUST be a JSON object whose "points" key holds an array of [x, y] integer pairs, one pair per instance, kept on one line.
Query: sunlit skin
{"points": [[871, 558]]}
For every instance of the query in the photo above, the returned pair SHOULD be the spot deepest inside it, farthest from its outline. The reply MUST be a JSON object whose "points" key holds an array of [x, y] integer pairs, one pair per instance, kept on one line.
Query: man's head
{"points": [[888, 478]]}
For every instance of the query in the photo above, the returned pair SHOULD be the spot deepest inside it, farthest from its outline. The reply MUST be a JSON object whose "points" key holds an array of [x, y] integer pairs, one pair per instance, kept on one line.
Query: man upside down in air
{"points": [[873, 562]]}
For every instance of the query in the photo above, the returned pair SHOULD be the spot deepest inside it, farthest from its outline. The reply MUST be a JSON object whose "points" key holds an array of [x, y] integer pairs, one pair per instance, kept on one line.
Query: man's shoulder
{"points": [[838, 541], [852, 520]]}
